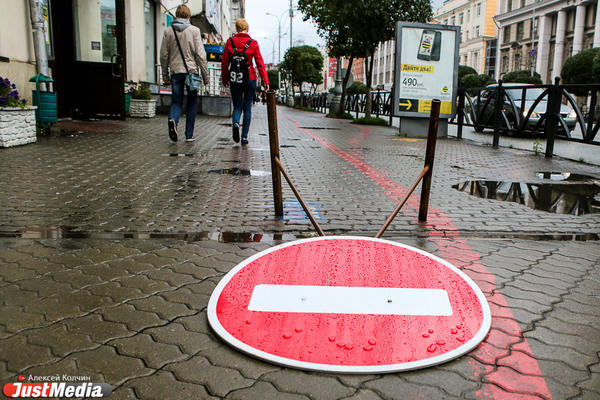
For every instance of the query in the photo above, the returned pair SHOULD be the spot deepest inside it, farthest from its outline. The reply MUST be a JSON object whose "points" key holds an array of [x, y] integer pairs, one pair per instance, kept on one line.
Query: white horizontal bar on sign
{"points": [[349, 300]]}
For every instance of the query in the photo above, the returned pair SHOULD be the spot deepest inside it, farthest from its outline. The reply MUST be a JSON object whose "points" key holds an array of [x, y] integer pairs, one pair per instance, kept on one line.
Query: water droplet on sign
{"points": [[248, 322], [372, 342], [349, 346], [454, 331], [460, 339], [430, 331], [332, 338], [287, 335], [298, 330], [440, 342], [431, 348], [368, 348], [425, 335]]}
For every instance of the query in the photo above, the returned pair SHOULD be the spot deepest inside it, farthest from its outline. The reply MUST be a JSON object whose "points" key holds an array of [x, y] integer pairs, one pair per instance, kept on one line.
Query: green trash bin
{"points": [[46, 112]]}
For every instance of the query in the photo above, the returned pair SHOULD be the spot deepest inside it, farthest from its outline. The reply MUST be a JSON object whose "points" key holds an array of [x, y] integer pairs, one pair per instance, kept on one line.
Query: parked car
{"points": [[515, 115]]}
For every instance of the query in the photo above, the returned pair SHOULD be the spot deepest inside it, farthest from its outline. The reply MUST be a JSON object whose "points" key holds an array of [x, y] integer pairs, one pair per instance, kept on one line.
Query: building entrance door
{"points": [[99, 59]]}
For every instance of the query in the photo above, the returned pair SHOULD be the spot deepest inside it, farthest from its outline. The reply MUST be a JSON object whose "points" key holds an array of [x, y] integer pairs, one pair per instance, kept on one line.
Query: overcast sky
{"points": [[263, 25]]}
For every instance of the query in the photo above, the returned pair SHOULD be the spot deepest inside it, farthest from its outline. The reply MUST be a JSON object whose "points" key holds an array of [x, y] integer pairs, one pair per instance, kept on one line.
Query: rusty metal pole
{"points": [[434, 118], [402, 202], [274, 145]]}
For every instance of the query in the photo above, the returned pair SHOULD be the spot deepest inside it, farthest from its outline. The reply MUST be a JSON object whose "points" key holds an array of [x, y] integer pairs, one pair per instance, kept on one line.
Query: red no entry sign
{"points": [[349, 304]]}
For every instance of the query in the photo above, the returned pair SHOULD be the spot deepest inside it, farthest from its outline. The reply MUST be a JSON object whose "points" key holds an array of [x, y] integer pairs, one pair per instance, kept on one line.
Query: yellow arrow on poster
{"points": [[408, 104]]}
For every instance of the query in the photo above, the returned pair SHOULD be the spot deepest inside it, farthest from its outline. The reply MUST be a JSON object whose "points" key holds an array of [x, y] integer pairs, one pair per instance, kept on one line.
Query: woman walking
{"points": [[242, 78], [182, 52]]}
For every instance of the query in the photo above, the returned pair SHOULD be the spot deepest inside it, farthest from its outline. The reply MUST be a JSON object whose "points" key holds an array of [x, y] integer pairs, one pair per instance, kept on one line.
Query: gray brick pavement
{"points": [[113, 239]]}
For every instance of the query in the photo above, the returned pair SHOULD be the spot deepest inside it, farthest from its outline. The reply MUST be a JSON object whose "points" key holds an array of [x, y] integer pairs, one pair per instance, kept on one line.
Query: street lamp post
{"points": [[273, 48], [278, 33]]}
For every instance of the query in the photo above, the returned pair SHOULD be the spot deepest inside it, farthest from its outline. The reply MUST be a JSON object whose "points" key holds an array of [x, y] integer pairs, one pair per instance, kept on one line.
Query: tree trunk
{"points": [[369, 71], [344, 84]]}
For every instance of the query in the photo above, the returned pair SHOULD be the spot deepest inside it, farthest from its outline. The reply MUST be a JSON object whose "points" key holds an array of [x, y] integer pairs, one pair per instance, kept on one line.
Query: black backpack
{"points": [[238, 65]]}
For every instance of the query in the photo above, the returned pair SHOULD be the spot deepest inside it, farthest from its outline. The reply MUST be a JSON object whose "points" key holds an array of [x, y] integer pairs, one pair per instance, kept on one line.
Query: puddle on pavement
{"points": [[558, 198], [239, 172], [247, 237], [564, 176], [223, 237], [320, 128]]}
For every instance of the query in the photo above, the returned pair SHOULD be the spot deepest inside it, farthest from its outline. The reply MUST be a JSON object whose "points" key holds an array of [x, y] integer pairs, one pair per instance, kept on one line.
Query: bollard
{"points": [[498, 113], [274, 146], [552, 111], [460, 116], [434, 118]]}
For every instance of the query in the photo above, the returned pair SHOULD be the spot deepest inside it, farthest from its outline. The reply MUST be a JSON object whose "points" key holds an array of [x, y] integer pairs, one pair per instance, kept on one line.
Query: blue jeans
{"points": [[177, 85], [242, 96]]}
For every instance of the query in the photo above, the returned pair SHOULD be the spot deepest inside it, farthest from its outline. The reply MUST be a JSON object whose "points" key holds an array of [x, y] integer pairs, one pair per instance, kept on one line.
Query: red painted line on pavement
{"points": [[526, 379]]}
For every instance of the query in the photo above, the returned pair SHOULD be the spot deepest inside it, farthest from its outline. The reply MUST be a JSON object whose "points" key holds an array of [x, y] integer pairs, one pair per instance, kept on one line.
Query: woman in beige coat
{"points": [[174, 70]]}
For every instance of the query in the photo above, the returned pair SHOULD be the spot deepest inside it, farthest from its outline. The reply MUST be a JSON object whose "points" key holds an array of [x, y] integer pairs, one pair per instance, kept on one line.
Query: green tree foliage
{"points": [[273, 75], [357, 87], [463, 71], [303, 64], [581, 69], [355, 29], [476, 81], [522, 76]]}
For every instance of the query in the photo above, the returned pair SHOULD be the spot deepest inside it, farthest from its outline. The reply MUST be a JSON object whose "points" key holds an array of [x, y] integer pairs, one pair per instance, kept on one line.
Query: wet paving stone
{"points": [[108, 262]]}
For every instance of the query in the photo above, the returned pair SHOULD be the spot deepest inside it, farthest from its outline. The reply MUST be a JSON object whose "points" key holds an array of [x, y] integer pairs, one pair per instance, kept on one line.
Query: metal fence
{"points": [[543, 110], [381, 103], [531, 109]]}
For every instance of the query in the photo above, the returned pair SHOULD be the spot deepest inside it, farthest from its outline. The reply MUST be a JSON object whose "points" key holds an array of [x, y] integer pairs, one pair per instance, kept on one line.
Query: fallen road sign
{"points": [[349, 305]]}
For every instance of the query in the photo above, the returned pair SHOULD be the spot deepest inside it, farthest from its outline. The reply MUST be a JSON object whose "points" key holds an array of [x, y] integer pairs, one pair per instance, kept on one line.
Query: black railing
{"points": [[530, 109], [381, 103]]}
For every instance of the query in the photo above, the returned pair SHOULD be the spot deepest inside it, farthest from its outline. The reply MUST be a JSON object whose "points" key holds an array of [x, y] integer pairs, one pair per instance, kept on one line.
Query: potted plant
{"points": [[142, 104], [17, 120]]}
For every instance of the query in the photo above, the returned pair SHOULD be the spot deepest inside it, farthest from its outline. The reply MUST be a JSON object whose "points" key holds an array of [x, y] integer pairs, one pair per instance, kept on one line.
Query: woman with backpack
{"points": [[238, 72]]}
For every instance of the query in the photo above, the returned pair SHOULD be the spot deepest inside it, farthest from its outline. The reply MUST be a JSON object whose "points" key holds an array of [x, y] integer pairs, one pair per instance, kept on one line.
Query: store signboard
{"points": [[426, 69]]}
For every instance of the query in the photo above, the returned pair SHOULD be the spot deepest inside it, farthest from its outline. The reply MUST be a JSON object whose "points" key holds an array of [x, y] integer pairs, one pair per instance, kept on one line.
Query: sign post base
{"points": [[418, 127]]}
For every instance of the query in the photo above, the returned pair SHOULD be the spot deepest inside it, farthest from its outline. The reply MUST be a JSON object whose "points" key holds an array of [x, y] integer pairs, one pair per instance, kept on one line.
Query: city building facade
{"points": [[541, 35], [478, 31]]}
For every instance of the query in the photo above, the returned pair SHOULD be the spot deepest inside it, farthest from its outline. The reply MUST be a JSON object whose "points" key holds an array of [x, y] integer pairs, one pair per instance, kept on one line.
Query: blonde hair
{"points": [[183, 11], [241, 25]]}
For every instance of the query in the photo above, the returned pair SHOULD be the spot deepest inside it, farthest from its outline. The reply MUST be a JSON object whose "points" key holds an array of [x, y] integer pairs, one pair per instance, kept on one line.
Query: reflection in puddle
{"points": [[564, 176], [574, 199], [293, 211], [239, 172]]}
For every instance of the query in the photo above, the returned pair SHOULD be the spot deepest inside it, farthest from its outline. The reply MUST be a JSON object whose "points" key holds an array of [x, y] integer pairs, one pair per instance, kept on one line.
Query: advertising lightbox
{"points": [[426, 69]]}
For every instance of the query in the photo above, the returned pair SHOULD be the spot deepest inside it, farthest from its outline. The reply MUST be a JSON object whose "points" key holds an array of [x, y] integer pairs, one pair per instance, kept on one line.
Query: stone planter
{"points": [[17, 126], [142, 108]]}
